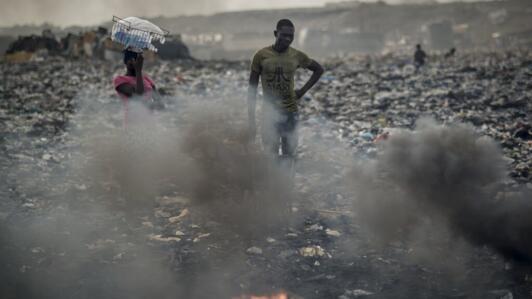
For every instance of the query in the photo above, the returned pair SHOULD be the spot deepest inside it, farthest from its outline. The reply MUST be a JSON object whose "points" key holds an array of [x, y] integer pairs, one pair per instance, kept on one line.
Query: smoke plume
{"points": [[90, 235], [446, 175]]}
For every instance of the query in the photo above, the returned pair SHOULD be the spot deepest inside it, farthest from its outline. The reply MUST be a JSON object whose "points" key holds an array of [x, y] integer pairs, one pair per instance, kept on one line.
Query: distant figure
{"points": [[275, 66], [450, 53], [134, 85], [419, 57]]}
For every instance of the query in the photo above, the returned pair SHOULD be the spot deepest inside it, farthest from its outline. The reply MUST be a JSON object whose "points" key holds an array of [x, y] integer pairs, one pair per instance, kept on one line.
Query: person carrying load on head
{"points": [[136, 35], [134, 84]]}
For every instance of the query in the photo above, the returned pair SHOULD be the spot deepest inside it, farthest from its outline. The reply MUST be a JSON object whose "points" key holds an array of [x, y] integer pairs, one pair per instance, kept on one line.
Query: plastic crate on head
{"points": [[137, 34]]}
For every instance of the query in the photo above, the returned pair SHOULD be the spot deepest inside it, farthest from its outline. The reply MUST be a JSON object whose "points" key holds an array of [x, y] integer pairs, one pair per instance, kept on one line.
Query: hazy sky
{"points": [[91, 12]]}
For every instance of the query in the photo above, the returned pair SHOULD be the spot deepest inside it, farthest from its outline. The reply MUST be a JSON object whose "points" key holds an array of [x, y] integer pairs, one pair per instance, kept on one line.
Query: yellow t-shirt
{"points": [[277, 72]]}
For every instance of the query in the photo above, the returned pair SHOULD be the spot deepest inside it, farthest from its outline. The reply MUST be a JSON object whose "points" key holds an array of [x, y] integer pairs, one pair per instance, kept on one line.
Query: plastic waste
{"points": [[137, 34]]}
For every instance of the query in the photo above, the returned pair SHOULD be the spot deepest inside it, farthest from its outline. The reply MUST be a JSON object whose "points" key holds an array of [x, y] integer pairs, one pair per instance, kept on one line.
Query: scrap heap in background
{"points": [[96, 43]]}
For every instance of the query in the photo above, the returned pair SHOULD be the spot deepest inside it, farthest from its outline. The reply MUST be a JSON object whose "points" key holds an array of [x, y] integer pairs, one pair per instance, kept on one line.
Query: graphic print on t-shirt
{"points": [[277, 72], [279, 81]]}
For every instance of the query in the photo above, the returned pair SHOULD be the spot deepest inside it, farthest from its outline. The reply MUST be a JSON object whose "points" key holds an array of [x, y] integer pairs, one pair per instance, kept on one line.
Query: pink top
{"points": [[149, 85]]}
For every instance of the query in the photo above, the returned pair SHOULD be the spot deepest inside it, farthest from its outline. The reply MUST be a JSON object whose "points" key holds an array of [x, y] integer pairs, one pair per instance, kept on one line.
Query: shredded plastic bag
{"points": [[136, 34]]}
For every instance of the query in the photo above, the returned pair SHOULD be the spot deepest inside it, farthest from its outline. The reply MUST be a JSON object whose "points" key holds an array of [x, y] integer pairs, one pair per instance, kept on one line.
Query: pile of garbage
{"points": [[359, 101], [96, 43], [34, 43], [47, 107], [367, 99]]}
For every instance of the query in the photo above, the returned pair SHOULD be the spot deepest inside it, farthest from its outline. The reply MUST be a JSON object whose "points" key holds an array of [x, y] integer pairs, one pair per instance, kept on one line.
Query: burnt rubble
{"points": [[56, 222], [89, 44], [34, 43]]}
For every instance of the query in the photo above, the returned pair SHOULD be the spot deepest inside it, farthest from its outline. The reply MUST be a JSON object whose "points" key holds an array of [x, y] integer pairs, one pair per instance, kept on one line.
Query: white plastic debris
{"points": [[160, 238], [312, 251], [315, 227], [136, 34], [198, 238], [167, 200], [360, 293], [254, 250], [333, 233], [179, 217]]}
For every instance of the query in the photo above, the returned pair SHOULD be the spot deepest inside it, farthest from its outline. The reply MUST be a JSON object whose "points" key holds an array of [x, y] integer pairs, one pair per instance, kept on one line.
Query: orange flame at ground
{"points": [[281, 295]]}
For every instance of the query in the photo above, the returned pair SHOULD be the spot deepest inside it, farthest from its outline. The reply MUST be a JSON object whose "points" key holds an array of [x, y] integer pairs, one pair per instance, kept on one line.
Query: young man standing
{"points": [[276, 66]]}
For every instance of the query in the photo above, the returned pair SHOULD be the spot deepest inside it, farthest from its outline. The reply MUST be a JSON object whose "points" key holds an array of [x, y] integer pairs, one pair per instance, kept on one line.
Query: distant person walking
{"points": [[134, 85], [419, 57], [275, 66]]}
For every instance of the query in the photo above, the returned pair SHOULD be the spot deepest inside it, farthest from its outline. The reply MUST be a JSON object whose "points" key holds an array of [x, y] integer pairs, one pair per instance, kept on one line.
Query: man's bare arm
{"points": [[252, 99], [317, 71], [139, 62]]}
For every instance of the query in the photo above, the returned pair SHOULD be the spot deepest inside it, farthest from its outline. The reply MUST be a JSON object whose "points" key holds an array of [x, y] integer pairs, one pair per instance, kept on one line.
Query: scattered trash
{"points": [[198, 238], [167, 201], [359, 293], [254, 250], [312, 251], [178, 218], [160, 213], [314, 227], [37, 250], [333, 233], [160, 238], [500, 294], [355, 294], [40, 100], [367, 136]]}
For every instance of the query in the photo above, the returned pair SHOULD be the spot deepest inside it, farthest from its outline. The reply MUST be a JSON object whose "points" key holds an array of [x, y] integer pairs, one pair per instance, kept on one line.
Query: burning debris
{"points": [[281, 295]]}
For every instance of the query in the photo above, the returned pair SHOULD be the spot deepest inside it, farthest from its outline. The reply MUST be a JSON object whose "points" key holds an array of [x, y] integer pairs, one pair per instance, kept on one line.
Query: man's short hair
{"points": [[283, 23]]}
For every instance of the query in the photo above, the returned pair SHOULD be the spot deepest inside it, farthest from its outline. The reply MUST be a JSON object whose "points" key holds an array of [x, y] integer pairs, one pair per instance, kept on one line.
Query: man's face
{"points": [[130, 62], [130, 59], [284, 37]]}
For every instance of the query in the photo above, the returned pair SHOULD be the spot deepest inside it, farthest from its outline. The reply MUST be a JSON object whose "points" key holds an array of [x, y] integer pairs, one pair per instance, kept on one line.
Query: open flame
{"points": [[281, 295]]}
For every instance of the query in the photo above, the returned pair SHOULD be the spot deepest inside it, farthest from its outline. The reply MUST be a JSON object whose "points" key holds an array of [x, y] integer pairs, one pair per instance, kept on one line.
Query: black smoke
{"points": [[445, 174]]}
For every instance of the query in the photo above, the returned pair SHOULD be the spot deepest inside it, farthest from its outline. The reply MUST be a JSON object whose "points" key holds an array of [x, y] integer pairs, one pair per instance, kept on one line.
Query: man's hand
{"points": [[299, 93]]}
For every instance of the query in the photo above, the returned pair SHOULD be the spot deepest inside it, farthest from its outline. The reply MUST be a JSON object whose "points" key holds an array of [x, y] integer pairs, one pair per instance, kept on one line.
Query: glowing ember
{"points": [[281, 295]]}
